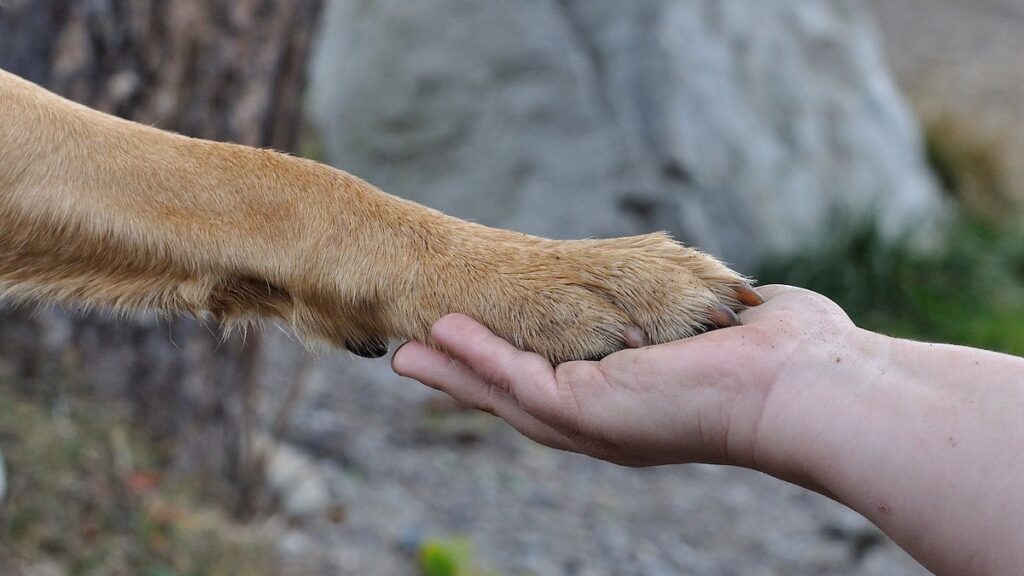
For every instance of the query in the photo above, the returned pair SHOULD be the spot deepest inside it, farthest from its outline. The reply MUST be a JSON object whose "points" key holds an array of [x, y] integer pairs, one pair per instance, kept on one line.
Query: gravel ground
{"points": [[403, 465]]}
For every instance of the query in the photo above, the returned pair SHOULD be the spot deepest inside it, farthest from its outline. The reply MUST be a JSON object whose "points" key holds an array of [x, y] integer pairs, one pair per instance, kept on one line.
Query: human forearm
{"points": [[922, 439]]}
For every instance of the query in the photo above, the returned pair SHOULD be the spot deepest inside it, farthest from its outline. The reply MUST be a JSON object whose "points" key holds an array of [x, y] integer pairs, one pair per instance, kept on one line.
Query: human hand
{"points": [[701, 399], [920, 438]]}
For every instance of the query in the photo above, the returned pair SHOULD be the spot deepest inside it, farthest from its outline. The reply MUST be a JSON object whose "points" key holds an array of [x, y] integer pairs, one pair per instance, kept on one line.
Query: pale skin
{"points": [[922, 439]]}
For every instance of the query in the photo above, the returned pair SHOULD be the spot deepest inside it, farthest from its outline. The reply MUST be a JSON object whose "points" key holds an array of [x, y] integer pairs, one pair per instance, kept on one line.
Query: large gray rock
{"points": [[747, 127]]}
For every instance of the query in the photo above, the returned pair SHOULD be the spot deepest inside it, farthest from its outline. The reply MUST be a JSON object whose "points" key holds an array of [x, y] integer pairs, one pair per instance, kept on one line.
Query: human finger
{"points": [[528, 377], [441, 372]]}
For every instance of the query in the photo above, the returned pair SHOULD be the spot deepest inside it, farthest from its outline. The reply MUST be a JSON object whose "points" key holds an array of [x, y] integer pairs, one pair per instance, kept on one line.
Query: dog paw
{"points": [[576, 300]]}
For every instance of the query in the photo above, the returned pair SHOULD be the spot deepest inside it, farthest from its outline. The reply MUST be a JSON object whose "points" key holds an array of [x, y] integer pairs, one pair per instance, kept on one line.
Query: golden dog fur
{"points": [[104, 212]]}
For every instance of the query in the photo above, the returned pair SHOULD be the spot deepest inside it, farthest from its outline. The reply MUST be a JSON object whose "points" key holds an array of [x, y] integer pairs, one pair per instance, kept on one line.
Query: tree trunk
{"points": [[228, 70]]}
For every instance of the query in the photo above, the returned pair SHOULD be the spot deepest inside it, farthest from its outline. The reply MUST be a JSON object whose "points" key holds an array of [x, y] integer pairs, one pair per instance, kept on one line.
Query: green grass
{"points": [[970, 293], [84, 495], [449, 557]]}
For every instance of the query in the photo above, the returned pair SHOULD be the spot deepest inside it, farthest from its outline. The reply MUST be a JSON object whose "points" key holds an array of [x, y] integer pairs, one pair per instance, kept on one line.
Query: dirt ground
{"points": [[964, 58]]}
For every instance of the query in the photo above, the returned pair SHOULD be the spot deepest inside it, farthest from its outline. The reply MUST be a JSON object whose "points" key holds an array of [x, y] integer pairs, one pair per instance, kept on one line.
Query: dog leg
{"points": [[105, 212]]}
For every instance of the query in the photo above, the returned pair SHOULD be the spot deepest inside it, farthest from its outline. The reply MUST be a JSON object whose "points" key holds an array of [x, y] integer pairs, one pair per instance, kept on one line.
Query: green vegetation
{"points": [[970, 292], [448, 557], [85, 498]]}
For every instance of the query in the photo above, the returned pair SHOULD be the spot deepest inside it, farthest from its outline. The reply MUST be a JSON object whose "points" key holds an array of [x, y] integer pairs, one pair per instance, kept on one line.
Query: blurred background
{"points": [[869, 150]]}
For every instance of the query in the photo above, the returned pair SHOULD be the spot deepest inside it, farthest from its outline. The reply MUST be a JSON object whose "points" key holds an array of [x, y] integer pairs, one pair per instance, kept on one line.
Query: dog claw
{"points": [[723, 317], [748, 296], [368, 349], [634, 337]]}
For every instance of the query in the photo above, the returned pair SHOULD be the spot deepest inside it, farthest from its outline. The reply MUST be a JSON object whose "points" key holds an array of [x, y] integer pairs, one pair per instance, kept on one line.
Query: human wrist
{"points": [[820, 395]]}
